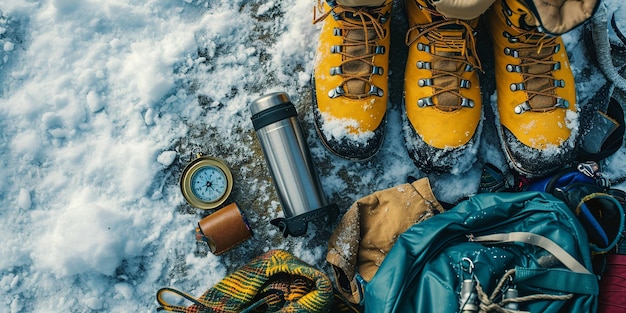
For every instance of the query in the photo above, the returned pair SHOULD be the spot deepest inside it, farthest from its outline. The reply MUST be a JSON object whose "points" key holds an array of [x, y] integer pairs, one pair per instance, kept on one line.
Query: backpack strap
{"points": [[536, 240], [558, 279], [578, 280]]}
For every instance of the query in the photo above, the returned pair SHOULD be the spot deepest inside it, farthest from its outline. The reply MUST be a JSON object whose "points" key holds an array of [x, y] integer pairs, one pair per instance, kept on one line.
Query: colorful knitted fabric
{"points": [[274, 282]]}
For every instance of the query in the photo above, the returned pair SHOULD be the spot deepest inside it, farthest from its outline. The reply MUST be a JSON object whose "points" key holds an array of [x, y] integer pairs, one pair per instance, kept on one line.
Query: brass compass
{"points": [[206, 182]]}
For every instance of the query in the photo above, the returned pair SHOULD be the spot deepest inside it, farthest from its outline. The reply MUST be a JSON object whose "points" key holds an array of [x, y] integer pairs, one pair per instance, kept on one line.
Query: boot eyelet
{"points": [[513, 68], [423, 47], [336, 70], [511, 52], [423, 65], [467, 103], [517, 86], [557, 66], [379, 50], [425, 102], [335, 49], [465, 84], [377, 70], [562, 103], [521, 108], [336, 92], [511, 38], [375, 91], [425, 82], [336, 31], [559, 83]]}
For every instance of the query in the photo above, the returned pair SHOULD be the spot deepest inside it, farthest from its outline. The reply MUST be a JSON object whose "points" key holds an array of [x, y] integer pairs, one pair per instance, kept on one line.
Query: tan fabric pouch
{"points": [[371, 226], [462, 9], [560, 16], [361, 3]]}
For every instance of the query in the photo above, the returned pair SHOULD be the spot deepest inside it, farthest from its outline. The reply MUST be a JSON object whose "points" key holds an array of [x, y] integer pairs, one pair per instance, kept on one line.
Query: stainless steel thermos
{"points": [[291, 167]]}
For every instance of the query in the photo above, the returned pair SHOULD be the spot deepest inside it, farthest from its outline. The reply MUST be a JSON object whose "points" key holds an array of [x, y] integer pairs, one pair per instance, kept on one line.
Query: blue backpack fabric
{"points": [[520, 251]]}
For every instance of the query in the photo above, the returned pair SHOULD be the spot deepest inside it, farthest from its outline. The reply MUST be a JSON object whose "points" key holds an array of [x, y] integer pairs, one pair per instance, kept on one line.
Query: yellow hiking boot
{"points": [[442, 98], [350, 79], [536, 103]]}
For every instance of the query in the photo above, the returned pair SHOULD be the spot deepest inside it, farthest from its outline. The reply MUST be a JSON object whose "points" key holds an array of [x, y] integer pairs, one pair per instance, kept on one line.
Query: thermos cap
{"points": [[271, 108], [268, 101]]}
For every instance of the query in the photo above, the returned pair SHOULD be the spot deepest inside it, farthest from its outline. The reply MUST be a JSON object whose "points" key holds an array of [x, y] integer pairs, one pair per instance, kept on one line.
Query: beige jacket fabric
{"points": [[371, 226], [555, 16], [561, 16], [361, 3], [462, 9]]}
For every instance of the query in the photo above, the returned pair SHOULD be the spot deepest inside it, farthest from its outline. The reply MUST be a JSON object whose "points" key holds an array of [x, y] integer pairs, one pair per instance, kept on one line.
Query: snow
{"points": [[103, 103]]}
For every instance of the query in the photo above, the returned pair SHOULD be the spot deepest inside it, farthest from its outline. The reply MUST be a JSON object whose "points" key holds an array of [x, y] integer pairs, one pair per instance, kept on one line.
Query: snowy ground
{"points": [[103, 103]]}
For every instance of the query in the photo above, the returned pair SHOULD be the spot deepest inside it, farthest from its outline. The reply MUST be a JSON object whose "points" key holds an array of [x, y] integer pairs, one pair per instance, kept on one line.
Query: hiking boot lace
{"points": [[535, 50], [458, 49], [353, 19]]}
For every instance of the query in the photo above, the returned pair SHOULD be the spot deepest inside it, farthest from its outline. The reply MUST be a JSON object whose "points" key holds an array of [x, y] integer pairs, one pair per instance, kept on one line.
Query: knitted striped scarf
{"points": [[274, 282]]}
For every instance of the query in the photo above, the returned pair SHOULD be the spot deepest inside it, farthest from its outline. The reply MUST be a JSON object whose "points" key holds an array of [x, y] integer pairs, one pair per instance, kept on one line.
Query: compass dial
{"points": [[206, 182], [209, 183]]}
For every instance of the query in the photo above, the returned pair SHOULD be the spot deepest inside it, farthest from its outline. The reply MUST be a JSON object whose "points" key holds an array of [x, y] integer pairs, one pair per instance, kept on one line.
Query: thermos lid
{"points": [[268, 101], [271, 108]]}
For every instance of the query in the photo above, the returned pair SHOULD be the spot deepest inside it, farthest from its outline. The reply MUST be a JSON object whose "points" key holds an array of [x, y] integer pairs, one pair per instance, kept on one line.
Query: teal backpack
{"points": [[495, 252]]}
